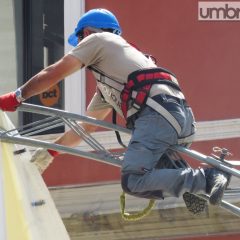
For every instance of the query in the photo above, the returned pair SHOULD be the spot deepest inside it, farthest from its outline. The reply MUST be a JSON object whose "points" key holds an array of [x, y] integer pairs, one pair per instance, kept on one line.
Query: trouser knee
{"points": [[124, 183], [157, 194]]}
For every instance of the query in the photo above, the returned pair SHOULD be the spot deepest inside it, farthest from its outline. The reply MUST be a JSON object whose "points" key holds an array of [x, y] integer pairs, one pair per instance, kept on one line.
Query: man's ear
{"points": [[86, 32]]}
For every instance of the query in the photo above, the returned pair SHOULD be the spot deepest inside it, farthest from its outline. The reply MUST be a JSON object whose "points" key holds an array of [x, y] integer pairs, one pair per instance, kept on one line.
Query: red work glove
{"points": [[9, 102], [53, 153]]}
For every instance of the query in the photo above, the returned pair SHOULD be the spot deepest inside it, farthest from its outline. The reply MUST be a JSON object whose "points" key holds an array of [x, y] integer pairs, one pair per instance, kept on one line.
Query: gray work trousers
{"points": [[151, 137]]}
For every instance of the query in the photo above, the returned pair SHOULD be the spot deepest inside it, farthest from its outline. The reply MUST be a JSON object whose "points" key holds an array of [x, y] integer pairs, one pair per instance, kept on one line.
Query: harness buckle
{"points": [[102, 78], [141, 97]]}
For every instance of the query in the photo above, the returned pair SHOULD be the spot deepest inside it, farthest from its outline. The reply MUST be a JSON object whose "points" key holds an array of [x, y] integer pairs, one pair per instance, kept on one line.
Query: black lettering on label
{"points": [[50, 94], [225, 12], [107, 91]]}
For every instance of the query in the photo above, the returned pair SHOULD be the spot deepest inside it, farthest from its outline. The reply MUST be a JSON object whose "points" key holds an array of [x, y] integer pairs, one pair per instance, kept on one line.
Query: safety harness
{"points": [[135, 93]]}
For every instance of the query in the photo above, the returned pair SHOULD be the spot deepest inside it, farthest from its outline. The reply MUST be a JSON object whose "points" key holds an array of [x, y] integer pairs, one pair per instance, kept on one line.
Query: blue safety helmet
{"points": [[97, 18]]}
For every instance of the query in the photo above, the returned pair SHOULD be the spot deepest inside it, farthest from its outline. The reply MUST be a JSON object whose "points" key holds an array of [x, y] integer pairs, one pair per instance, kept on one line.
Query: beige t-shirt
{"points": [[114, 56]]}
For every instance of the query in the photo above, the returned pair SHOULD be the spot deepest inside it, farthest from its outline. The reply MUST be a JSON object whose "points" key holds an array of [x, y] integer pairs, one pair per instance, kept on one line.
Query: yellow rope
{"points": [[134, 216]]}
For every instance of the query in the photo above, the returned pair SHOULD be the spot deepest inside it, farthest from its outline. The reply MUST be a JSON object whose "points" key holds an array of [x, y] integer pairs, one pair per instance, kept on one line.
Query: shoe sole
{"points": [[194, 204]]}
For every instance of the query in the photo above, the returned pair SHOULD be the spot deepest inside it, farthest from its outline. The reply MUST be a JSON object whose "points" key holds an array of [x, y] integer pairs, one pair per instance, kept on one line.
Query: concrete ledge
{"points": [[93, 212]]}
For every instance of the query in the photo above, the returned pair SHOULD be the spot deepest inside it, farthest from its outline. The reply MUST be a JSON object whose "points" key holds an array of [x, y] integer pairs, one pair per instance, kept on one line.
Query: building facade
{"points": [[202, 52]]}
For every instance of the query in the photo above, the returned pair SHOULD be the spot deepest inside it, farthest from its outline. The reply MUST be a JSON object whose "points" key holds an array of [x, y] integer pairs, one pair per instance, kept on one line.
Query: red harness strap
{"points": [[141, 81]]}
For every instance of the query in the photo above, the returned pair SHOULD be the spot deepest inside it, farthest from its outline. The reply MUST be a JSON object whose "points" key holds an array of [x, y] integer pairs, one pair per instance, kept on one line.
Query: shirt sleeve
{"points": [[88, 51]]}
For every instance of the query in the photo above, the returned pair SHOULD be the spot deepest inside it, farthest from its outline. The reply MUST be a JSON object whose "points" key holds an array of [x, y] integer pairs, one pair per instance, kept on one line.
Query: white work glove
{"points": [[42, 159]]}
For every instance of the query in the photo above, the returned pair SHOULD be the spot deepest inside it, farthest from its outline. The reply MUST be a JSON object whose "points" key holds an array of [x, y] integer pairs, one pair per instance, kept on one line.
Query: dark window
{"points": [[40, 39]]}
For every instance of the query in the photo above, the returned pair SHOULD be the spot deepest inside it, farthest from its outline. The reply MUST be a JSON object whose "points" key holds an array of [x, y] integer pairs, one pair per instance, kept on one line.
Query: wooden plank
{"points": [[93, 212]]}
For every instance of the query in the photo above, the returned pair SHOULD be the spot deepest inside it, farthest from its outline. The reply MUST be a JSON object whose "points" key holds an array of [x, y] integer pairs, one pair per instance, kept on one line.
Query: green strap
{"points": [[134, 216]]}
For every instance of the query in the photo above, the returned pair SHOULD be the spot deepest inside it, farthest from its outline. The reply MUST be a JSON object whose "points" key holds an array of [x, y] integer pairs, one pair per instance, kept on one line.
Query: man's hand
{"points": [[9, 102], [42, 159]]}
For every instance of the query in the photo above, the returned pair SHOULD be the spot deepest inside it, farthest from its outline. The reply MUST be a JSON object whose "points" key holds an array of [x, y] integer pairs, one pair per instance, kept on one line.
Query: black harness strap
{"points": [[114, 121]]}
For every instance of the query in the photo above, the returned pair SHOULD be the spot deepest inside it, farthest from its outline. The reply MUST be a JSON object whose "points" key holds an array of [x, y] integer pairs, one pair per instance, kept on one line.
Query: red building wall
{"points": [[203, 54]]}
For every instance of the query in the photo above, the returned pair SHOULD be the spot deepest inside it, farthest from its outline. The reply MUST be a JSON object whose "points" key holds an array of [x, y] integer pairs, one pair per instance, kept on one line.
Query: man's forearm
{"points": [[38, 83], [72, 139], [50, 76]]}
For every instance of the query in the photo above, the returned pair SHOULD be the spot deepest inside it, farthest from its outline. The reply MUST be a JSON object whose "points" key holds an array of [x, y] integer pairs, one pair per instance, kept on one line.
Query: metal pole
{"points": [[101, 157], [25, 107], [207, 159], [225, 205]]}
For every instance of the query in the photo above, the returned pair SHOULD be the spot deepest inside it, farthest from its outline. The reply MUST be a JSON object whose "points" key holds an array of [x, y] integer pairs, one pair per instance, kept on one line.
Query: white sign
{"points": [[219, 11]]}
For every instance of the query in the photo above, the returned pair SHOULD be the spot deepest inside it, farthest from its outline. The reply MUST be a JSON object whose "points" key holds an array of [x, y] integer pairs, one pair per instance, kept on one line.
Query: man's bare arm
{"points": [[50, 76], [71, 139]]}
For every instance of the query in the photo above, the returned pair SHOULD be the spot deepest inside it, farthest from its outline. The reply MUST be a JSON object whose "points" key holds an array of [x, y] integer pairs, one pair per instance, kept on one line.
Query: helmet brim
{"points": [[73, 40]]}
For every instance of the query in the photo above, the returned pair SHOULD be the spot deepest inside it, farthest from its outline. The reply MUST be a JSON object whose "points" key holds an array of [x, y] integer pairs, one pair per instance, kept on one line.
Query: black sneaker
{"points": [[194, 204], [216, 183]]}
